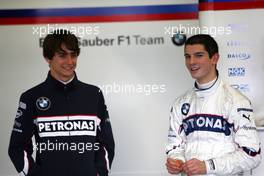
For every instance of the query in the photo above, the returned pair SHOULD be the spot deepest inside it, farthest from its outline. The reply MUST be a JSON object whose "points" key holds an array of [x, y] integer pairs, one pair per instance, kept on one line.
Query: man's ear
{"points": [[215, 58], [47, 60]]}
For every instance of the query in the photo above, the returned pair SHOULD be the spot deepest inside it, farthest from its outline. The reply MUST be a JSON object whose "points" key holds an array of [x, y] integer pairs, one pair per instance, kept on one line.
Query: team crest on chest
{"points": [[43, 103]]}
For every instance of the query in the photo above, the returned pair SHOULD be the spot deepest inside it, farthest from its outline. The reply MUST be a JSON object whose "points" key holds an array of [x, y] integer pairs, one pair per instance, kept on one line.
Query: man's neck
{"points": [[61, 79], [206, 85], [66, 82]]}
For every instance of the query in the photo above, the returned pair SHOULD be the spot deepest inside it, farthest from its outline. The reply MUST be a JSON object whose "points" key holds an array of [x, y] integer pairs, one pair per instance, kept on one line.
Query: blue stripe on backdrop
{"points": [[100, 11]]}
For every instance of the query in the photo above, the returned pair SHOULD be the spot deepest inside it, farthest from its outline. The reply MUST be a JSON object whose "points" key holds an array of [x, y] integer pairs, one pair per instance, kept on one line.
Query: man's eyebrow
{"points": [[60, 51], [196, 53], [201, 52], [63, 51]]}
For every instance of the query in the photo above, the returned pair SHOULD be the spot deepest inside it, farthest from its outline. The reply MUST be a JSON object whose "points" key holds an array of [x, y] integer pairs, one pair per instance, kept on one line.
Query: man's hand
{"points": [[194, 167], [174, 166]]}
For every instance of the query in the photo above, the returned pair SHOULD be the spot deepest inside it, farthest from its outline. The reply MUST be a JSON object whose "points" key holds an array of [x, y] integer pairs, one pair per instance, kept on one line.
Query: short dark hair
{"points": [[52, 42], [206, 40]]}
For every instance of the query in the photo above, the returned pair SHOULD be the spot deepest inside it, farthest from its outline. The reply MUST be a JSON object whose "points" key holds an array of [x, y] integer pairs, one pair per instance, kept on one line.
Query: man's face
{"points": [[201, 67], [63, 64]]}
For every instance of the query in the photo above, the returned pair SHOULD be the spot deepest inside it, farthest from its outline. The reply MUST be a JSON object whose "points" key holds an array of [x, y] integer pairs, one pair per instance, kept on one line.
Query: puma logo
{"points": [[247, 117]]}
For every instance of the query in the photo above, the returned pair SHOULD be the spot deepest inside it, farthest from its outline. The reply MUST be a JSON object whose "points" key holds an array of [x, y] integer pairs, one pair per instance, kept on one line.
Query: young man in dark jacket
{"points": [[67, 117]]}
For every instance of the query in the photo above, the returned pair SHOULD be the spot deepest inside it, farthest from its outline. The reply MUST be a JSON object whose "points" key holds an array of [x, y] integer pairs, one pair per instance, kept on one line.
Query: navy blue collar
{"points": [[59, 85]]}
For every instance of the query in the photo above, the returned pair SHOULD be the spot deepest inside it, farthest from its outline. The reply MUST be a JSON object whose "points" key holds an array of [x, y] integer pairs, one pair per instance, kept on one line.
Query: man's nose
{"points": [[192, 60], [70, 59]]}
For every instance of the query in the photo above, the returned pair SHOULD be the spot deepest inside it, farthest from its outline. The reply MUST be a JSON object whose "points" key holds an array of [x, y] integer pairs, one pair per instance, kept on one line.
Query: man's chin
{"points": [[68, 75], [194, 76]]}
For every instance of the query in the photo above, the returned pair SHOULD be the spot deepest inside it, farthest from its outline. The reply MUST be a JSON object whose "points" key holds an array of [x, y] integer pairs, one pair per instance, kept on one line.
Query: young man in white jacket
{"points": [[212, 129]]}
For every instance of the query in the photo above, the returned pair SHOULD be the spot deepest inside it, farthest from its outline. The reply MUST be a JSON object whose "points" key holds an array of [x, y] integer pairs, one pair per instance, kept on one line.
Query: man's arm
{"points": [[247, 156], [20, 146], [105, 154], [176, 143]]}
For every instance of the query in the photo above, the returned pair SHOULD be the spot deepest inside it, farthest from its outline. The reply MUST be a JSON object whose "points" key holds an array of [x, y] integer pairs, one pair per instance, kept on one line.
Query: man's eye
{"points": [[199, 55], [61, 54], [74, 54]]}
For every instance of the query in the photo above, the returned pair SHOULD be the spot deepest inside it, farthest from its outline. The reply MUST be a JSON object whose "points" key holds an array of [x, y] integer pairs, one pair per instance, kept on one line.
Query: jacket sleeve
{"points": [[247, 156], [176, 144], [105, 154], [20, 146]]}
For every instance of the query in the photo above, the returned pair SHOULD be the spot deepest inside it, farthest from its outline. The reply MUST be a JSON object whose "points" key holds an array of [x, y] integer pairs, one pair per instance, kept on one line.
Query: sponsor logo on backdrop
{"points": [[241, 87], [178, 39], [236, 43], [237, 71], [119, 40], [240, 56], [236, 27]]}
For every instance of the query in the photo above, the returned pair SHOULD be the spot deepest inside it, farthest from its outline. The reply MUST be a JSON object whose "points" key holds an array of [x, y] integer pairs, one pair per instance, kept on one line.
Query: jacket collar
{"points": [[207, 91], [59, 85]]}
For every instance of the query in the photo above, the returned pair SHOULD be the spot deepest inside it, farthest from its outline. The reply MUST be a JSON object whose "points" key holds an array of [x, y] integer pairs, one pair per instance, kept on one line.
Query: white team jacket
{"points": [[215, 125]]}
